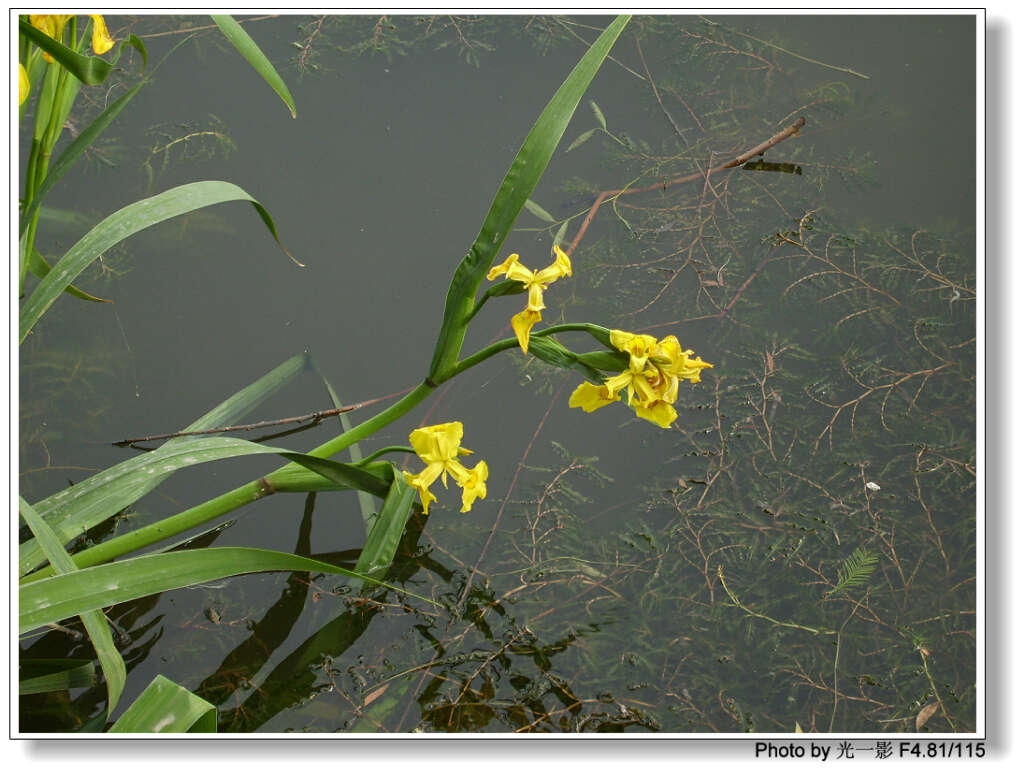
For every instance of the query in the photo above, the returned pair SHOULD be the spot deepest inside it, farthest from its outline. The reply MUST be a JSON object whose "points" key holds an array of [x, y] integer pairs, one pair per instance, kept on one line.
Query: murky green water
{"points": [[798, 549]]}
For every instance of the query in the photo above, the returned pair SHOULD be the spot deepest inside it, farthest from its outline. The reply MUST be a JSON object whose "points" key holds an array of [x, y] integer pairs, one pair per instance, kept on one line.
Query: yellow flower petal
{"points": [[692, 368], [101, 39], [535, 299], [474, 487], [660, 412], [503, 268], [420, 484], [51, 24], [438, 443], [24, 84], [522, 323], [560, 267], [590, 397]]}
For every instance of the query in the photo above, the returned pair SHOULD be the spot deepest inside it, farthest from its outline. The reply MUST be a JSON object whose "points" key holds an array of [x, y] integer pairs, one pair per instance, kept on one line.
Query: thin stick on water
{"points": [[782, 135], [314, 418]]}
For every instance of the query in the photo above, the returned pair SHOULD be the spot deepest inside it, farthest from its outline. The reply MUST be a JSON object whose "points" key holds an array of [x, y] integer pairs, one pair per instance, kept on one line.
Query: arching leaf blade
{"points": [[122, 224], [251, 52], [58, 597], [516, 188]]}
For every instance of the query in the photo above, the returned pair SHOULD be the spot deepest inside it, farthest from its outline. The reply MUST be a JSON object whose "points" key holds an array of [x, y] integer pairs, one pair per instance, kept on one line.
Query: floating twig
{"points": [[314, 418], [760, 149]]}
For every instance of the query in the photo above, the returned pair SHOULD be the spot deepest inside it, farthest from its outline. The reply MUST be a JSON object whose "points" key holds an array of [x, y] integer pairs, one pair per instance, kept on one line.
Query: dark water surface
{"points": [[694, 579]]}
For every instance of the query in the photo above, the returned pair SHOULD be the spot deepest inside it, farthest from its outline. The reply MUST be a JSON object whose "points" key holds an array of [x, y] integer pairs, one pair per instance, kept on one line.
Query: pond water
{"points": [[799, 549]]}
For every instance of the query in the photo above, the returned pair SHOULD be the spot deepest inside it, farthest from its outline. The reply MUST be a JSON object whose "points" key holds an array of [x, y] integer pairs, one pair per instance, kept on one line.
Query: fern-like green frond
{"points": [[855, 570]]}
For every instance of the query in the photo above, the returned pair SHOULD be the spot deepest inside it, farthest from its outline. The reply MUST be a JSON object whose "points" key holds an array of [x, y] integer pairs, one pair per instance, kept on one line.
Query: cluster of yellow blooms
{"points": [[651, 381], [439, 448], [53, 25]]}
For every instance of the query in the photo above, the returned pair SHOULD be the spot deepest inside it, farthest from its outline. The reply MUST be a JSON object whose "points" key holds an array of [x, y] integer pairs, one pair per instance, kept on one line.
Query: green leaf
{"points": [[382, 543], [516, 188], [95, 622], [855, 570], [121, 225], [251, 52], [248, 398], [367, 507], [91, 70], [88, 503], [39, 267], [598, 114], [580, 139], [539, 212], [58, 597], [166, 707], [75, 150], [97, 498], [47, 675], [555, 353]]}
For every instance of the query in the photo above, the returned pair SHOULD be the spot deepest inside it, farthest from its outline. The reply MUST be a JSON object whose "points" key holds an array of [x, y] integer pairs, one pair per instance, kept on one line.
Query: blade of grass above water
{"points": [[122, 224], [114, 670], [59, 597], [382, 541], [526, 170], [79, 508], [251, 52], [366, 505], [166, 707]]}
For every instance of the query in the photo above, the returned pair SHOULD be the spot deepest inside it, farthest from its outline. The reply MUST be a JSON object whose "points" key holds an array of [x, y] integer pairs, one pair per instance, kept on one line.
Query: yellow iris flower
{"points": [[439, 448], [53, 25], [24, 85], [651, 380], [536, 282]]}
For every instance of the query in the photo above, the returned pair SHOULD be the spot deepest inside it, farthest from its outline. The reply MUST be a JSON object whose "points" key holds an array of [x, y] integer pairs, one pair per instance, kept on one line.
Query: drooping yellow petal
{"points": [[560, 267], [474, 486], [503, 268], [423, 486], [522, 322], [51, 24], [101, 39], [660, 412], [590, 397], [24, 84]]}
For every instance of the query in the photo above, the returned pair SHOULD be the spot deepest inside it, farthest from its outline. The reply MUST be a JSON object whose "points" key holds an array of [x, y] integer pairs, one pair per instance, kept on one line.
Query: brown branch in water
{"points": [[782, 135], [314, 418]]}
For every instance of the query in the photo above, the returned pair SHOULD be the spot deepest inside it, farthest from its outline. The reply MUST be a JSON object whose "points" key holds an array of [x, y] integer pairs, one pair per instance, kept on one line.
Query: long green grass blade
{"points": [[251, 52], [58, 597], [76, 149], [46, 675], [121, 225], [97, 498], [382, 543], [39, 267], [91, 70], [95, 622], [248, 398], [166, 707], [367, 508], [526, 170]]}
